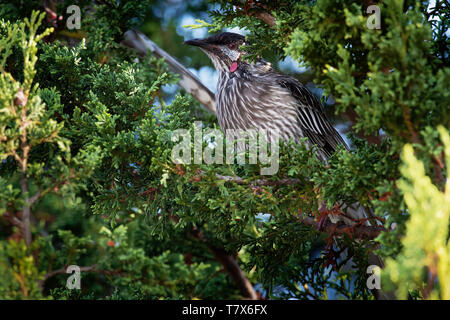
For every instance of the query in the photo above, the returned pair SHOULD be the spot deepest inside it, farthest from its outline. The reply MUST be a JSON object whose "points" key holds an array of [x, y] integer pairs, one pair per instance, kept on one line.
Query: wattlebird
{"points": [[255, 96], [252, 95]]}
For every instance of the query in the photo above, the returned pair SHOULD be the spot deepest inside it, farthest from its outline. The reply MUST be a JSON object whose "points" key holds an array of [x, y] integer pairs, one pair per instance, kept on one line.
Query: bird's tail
{"points": [[357, 213]]}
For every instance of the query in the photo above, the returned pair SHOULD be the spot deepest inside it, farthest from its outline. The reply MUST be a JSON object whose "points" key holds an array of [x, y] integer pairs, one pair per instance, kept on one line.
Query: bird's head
{"points": [[223, 50]]}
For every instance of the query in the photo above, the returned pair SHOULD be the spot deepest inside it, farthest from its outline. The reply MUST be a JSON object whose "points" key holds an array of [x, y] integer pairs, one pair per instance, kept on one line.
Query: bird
{"points": [[252, 95]]}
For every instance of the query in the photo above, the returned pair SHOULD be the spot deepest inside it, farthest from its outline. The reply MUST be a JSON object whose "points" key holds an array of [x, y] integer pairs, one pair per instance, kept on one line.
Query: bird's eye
{"points": [[232, 46]]}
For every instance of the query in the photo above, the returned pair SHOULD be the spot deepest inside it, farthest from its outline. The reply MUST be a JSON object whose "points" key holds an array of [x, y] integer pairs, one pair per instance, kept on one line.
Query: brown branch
{"points": [[20, 101], [92, 268], [34, 198], [266, 17], [231, 265], [438, 168], [64, 269], [259, 13], [26, 211], [357, 232], [13, 220], [260, 182], [188, 81], [432, 269], [414, 136]]}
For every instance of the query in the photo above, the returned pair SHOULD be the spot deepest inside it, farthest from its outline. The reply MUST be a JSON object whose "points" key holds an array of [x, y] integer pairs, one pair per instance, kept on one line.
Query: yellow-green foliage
{"points": [[425, 258], [19, 272]]}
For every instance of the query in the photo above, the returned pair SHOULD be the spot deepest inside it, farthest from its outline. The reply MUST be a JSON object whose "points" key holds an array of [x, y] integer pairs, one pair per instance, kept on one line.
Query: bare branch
{"points": [[34, 198], [26, 211], [189, 82], [13, 220], [231, 265], [63, 271], [266, 17], [260, 14], [356, 231], [92, 268]]}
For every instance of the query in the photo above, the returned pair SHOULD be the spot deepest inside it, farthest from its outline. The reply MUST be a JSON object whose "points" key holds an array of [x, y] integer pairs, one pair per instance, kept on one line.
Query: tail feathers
{"points": [[357, 212]]}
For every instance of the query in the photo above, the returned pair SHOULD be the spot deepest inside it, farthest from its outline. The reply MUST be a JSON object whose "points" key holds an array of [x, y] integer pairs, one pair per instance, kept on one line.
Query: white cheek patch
{"points": [[234, 55]]}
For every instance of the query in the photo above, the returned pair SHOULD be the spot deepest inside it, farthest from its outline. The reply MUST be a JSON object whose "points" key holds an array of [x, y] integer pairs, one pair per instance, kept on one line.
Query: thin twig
{"points": [[63, 270], [260, 182], [34, 198], [188, 81], [92, 268]]}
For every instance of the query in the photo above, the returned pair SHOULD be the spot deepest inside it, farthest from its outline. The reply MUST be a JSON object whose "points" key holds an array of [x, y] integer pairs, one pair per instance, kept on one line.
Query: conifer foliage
{"points": [[87, 177]]}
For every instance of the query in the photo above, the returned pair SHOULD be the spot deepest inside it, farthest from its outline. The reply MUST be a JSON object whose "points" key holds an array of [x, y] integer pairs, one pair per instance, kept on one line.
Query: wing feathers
{"points": [[312, 118]]}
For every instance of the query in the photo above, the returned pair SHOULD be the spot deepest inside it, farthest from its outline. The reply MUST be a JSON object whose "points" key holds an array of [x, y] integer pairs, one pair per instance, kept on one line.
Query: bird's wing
{"points": [[312, 118]]}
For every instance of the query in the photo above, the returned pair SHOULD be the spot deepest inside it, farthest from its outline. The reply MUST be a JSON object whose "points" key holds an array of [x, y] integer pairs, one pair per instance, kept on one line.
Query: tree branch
{"points": [[92, 268], [63, 271], [26, 211], [260, 182], [266, 17], [230, 264], [260, 14], [356, 231], [34, 198], [13, 220], [189, 82]]}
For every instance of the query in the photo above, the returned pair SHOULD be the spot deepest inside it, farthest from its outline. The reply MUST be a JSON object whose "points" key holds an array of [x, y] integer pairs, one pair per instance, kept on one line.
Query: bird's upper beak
{"points": [[198, 43]]}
